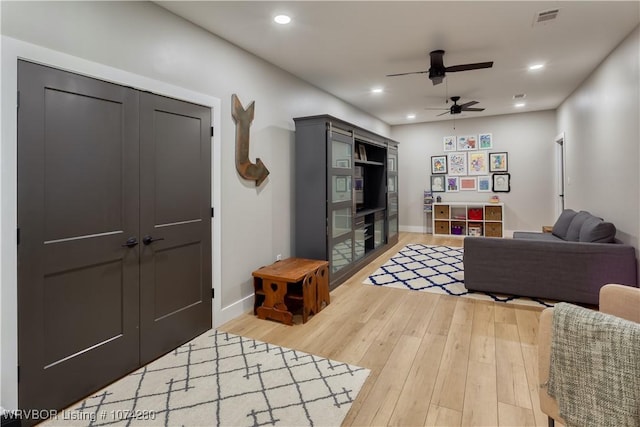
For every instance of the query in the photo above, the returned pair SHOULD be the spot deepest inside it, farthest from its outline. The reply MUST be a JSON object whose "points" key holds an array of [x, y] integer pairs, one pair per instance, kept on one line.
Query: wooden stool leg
{"points": [[323, 297], [273, 306], [309, 299]]}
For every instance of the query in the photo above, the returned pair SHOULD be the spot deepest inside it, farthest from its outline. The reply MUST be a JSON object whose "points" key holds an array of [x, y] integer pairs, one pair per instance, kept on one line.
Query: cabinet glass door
{"points": [[341, 221], [393, 204], [341, 255], [393, 226], [392, 193], [359, 240], [341, 188], [341, 207], [392, 161], [378, 231], [341, 154], [392, 185]]}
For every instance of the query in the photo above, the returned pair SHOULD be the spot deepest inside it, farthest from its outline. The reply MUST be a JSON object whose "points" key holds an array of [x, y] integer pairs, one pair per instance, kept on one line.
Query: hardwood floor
{"points": [[434, 359]]}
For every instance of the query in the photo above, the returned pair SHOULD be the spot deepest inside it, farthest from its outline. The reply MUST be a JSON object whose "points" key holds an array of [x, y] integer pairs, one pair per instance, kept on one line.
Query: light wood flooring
{"points": [[434, 359]]}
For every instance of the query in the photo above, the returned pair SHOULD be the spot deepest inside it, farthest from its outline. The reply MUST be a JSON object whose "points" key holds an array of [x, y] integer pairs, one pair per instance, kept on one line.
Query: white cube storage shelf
{"points": [[468, 219]]}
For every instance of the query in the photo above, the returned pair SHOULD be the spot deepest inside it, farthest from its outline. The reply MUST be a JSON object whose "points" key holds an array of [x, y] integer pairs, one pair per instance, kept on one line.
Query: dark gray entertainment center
{"points": [[346, 194]]}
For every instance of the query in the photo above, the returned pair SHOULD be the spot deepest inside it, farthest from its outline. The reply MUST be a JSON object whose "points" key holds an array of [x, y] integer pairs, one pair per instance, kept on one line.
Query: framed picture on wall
{"points": [[438, 164], [478, 163], [449, 143], [457, 164], [498, 162], [468, 183], [437, 183], [453, 184], [467, 143], [501, 182], [485, 141], [484, 184]]}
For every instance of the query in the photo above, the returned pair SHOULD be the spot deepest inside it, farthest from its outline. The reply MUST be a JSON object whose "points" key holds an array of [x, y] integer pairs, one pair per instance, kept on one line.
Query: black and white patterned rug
{"points": [[437, 269], [220, 379]]}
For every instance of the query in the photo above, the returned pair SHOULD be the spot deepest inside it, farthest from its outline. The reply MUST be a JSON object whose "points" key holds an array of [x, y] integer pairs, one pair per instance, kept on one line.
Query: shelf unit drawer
{"points": [[493, 229], [441, 227], [493, 213], [441, 211]]}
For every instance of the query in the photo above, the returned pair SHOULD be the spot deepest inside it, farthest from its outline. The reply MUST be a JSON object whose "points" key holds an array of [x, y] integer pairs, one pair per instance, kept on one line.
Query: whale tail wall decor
{"points": [[257, 171]]}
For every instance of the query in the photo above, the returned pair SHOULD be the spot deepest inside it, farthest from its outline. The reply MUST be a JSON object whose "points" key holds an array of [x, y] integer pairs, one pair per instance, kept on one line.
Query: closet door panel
{"points": [[78, 203], [175, 219]]}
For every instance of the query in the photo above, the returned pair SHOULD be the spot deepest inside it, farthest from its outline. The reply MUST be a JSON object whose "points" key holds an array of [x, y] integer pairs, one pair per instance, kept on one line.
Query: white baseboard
{"points": [[413, 228], [234, 310]]}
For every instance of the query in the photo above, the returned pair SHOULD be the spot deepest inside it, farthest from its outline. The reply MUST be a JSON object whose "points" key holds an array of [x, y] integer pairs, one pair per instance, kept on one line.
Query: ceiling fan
{"points": [[458, 108], [438, 70]]}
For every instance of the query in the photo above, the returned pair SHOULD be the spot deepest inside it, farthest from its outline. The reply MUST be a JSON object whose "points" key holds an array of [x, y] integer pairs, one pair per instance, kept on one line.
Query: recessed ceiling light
{"points": [[282, 19], [535, 67], [376, 90], [411, 116], [519, 105]]}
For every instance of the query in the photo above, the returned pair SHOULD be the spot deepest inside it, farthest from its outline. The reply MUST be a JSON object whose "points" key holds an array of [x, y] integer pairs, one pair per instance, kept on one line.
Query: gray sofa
{"points": [[570, 264]]}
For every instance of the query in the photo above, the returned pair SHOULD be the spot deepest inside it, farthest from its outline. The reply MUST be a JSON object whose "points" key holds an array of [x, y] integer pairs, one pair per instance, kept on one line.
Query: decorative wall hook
{"points": [[257, 171]]}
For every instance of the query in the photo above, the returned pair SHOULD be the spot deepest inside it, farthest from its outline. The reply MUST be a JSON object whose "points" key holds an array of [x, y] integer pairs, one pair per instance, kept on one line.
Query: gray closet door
{"points": [[175, 221], [114, 258], [78, 196]]}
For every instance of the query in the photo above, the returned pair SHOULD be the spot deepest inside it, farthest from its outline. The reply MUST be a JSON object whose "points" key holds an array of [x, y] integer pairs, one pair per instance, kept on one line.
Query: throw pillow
{"points": [[561, 226], [573, 233], [595, 230]]}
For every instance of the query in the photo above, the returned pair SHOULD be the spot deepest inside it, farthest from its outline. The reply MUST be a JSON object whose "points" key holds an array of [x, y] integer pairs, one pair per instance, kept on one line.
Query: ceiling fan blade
{"points": [[446, 112], [405, 74], [468, 104], [473, 109], [467, 67], [435, 108]]}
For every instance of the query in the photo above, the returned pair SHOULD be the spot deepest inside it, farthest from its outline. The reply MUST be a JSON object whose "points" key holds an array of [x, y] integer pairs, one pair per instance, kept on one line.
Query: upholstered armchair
{"points": [[617, 300]]}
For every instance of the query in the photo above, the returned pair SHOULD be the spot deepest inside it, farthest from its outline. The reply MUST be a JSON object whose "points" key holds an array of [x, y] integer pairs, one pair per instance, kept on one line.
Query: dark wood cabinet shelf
{"points": [[357, 171], [365, 212], [368, 162]]}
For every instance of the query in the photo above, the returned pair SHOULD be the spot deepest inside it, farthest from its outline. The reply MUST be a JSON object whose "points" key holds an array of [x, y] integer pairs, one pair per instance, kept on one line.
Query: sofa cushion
{"points": [[595, 230], [573, 233], [561, 226]]}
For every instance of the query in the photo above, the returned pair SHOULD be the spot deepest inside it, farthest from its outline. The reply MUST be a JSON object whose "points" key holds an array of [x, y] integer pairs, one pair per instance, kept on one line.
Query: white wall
{"points": [[528, 138], [601, 122], [144, 39]]}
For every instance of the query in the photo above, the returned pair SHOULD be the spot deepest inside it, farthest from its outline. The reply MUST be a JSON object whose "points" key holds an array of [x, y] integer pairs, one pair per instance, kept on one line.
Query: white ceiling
{"points": [[348, 47]]}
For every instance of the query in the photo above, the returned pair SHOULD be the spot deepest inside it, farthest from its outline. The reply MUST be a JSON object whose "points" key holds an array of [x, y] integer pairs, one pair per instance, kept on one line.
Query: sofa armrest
{"points": [[548, 404], [566, 271], [621, 301], [618, 300]]}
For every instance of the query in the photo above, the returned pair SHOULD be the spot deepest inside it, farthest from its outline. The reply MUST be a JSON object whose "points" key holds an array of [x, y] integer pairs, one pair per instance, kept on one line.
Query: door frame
{"points": [[560, 173], [12, 50]]}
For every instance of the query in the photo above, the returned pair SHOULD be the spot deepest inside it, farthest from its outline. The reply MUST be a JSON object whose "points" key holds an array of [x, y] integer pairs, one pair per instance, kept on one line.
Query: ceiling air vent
{"points": [[545, 16]]}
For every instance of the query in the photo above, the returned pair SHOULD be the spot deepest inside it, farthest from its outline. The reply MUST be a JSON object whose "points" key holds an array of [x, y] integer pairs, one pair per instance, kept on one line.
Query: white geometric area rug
{"points": [[437, 269], [220, 379]]}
